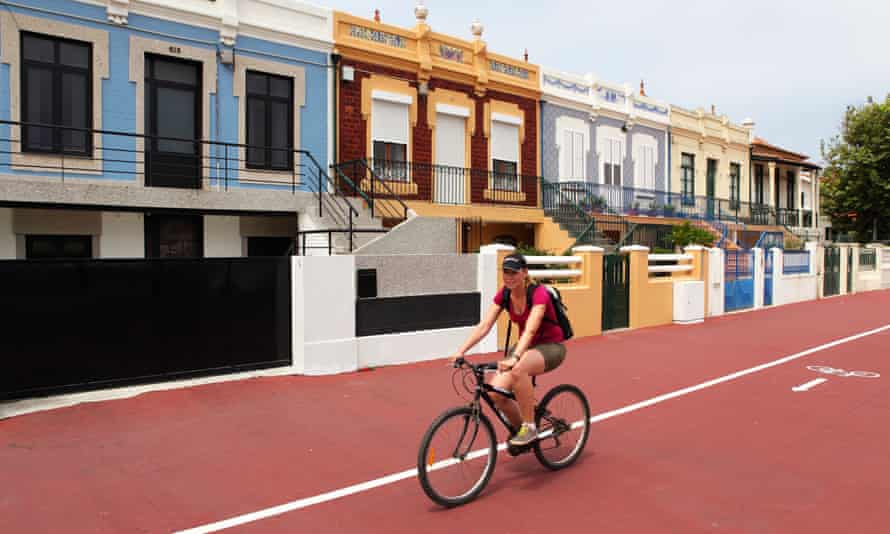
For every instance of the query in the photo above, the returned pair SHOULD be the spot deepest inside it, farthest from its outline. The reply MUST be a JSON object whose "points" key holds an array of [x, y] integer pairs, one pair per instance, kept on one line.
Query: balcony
{"points": [[619, 200], [440, 184], [69, 154]]}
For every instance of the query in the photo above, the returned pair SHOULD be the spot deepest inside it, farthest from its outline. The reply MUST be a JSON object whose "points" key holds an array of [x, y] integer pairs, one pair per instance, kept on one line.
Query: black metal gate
{"points": [[616, 306], [90, 324], [831, 284], [849, 270]]}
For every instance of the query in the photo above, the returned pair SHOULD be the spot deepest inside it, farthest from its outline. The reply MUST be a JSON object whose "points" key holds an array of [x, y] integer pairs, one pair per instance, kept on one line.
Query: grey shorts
{"points": [[553, 353]]}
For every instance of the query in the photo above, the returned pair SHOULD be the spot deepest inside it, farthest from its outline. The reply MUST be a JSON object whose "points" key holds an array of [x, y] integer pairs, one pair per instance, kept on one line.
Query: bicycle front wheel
{"points": [[457, 457], [563, 421]]}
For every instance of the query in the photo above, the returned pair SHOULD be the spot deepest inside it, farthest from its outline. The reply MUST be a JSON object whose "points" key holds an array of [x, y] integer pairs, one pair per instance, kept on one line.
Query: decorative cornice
{"points": [[553, 81], [651, 108]]}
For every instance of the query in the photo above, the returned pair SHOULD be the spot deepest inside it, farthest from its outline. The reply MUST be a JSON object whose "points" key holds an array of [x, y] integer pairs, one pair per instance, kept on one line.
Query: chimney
{"points": [[525, 55], [642, 88], [713, 109], [376, 15]]}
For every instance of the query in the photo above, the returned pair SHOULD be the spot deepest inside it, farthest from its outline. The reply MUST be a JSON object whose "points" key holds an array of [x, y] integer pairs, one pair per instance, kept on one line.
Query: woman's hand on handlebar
{"points": [[507, 363], [455, 360]]}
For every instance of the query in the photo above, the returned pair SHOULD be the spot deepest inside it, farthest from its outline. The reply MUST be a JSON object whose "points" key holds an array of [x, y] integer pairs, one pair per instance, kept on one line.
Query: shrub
{"points": [[686, 234]]}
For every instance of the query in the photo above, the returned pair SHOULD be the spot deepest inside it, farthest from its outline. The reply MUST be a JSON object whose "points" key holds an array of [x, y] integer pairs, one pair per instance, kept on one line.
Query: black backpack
{"points": [[562, 320]]}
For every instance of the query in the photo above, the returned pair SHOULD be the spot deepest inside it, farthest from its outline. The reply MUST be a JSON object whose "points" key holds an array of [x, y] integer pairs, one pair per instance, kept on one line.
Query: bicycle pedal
{"points": [[514, 450]]}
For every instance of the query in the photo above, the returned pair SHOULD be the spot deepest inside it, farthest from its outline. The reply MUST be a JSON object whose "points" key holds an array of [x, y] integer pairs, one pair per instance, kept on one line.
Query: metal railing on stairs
{"points": [[364, 181]]}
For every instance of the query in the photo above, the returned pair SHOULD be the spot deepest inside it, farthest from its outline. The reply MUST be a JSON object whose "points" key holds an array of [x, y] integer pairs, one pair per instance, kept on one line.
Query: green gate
{"points": [[832, 272], [616, 307]]}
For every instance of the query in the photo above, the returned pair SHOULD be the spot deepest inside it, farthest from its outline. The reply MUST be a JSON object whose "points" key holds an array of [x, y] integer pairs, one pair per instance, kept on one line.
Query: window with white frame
{"points": [[612, 155], [572, 156], [390, 134], [645, 160], [505, 152], [573, 144]]}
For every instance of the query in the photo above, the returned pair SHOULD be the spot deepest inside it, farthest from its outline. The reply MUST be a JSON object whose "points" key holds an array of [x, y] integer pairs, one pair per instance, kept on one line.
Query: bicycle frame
{"points": [[483, 390]]}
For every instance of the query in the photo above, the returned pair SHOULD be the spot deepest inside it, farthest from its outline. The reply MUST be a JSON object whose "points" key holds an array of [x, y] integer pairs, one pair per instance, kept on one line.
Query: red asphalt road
{"points": [[748, 455]]}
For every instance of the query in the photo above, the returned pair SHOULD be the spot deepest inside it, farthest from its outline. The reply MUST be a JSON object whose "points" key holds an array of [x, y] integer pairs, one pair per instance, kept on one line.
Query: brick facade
{"points": [[352, 130]]}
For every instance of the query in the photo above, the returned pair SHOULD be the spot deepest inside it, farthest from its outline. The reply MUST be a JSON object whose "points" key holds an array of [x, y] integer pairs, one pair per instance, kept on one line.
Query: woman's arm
{"points": [[481, 331]]}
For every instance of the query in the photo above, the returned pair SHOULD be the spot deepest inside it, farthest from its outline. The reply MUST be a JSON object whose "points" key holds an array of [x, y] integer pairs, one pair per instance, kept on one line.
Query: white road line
{"points": [[410, 473], [809, 385]]}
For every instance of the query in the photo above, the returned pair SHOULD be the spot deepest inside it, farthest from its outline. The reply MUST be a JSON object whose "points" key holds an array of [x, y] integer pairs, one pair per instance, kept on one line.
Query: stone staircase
{"points": [[335, 219], [582, 228]]}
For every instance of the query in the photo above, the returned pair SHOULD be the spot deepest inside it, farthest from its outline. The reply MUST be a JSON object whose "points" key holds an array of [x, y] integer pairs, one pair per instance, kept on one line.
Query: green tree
{"points": [[685, 234], [856, 189]]}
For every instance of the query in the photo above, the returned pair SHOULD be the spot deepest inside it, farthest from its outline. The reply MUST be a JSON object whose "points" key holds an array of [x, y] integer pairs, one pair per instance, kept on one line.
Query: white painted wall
{"points": [[222, 237], [324, 314], [123, 235], [867, 281], [324, 340], [407, 347], [788, 289], [716, 282], [7, 237]]}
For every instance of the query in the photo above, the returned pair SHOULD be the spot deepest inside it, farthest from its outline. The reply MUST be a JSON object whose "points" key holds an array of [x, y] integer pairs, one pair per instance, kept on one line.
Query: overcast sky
{"points": [[791, 65]]}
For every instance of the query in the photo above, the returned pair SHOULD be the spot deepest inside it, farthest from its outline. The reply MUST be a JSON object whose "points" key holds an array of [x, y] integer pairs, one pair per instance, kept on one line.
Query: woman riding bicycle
{"points": [[540, 347]]}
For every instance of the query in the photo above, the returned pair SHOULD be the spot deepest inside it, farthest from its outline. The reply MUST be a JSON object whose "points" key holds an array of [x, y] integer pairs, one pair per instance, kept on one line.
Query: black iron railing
{"points": [[173, 162], [304, 245]]}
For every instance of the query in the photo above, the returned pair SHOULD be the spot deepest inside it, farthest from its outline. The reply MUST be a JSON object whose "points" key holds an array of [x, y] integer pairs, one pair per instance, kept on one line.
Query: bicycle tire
{"points": [[543, 426], [483, 429]]}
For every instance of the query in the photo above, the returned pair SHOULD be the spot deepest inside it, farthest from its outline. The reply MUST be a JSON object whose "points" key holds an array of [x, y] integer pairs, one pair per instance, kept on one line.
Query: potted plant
{"points": [[668, 210], [635, 209]]}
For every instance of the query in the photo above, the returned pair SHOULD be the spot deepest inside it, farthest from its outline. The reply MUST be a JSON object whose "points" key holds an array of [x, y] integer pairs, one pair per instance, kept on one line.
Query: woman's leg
{"points": [[508, 406], [531, 364]]}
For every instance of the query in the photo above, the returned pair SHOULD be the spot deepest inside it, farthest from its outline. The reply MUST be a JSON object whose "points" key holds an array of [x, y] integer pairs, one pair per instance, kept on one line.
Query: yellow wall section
{"points": [[584, 299], [652, 299]]}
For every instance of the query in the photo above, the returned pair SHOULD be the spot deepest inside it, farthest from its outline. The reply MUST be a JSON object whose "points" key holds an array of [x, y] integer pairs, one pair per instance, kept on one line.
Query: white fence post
{"points": [[488, 286], [778, 275], [716, 280], [758, 277], [844, 251]]}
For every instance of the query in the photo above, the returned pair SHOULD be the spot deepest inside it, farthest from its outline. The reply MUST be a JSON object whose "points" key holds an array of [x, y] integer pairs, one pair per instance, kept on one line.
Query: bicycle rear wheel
{"points": [[457, 457], [563, 421]]}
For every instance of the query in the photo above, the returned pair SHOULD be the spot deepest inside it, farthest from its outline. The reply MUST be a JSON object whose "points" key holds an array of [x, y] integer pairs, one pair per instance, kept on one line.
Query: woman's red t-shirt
{"points": [[549, 331]]}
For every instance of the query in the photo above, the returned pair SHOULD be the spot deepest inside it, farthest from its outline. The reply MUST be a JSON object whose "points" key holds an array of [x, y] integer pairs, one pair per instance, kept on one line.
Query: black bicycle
{"points": [[459, 451]]}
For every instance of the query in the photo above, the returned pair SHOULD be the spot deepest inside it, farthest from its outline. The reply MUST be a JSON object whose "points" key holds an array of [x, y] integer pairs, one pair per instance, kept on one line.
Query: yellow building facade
{"points": [[708, 153]]}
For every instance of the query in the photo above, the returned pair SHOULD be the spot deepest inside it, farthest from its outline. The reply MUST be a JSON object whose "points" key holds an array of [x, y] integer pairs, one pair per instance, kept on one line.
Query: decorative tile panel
{"points": [[451, 53], [378, 36], [563, 84], [509, 70]]}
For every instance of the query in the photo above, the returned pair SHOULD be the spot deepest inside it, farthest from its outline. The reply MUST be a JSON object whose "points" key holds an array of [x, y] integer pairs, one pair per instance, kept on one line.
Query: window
{"points": [[645, 167], [174, 236], [572, 156], [173, 113], [505, 177], [505, 155], [688, 179], [735, 183], [56, 90], [391, 161], [43, 247], [791, 195], [389, 135], [270, 115], [613, 152]]}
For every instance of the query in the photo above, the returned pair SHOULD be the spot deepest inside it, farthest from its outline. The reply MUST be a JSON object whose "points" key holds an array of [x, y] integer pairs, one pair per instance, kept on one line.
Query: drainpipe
{"points": [[335, 61], [669, 166]]}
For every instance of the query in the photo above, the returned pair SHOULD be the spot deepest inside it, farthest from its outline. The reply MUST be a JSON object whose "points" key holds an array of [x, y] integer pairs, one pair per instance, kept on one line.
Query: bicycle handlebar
{"points": [[477, 367]]}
